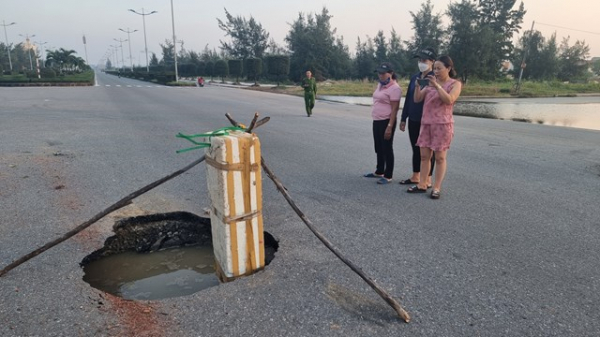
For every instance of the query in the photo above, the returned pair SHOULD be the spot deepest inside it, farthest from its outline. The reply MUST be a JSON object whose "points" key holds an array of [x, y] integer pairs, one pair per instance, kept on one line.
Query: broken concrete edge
{"points": [[154, 232]]}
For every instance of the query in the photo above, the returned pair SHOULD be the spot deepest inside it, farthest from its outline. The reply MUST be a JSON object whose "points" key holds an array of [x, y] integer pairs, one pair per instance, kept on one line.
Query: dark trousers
{"points": [[413, 134], [384, 148]]}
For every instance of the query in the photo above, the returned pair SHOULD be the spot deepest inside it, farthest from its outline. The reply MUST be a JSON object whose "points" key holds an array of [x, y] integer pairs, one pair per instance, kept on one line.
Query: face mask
{"points": [[387, 80], [424, 66]]}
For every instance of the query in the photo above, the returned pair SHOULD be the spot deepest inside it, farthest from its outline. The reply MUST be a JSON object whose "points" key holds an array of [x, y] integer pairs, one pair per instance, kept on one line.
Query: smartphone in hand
{"points": [[423, 82]]}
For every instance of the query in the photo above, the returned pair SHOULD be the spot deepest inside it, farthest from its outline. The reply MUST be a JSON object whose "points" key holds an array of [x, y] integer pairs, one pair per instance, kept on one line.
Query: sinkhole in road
{"points": [[158, 256]]}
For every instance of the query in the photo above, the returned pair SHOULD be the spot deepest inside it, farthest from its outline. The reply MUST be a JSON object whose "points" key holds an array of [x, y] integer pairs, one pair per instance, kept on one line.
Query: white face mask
{"points": [[424, 66]]}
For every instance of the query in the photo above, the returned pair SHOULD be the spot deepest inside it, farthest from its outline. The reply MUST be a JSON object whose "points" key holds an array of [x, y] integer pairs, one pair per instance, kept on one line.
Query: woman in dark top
{"points": [[413, 111]]}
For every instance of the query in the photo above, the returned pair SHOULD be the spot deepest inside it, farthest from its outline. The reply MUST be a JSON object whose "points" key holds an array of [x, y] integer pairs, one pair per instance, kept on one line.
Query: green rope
{"points": [[199, 145]]}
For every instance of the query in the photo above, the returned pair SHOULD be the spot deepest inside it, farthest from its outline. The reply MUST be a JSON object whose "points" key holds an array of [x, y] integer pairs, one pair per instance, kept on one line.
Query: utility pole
{"points": [[518, 86], [174, 42], [6, 37]]}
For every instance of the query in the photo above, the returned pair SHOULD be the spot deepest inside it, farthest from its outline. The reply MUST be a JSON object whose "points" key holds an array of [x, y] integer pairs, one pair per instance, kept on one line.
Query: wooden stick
{"points": [[381, 292], [389, 299], [119, 204], [253, 125], [261, 122]]}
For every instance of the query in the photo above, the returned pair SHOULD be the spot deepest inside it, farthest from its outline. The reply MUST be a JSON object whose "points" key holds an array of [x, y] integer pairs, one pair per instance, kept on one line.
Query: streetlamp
{"points": [[174, 41], [27, 36], [6, 37], [122, 58], [41, 44], [145, 41], [116, 48], [129, 39]]}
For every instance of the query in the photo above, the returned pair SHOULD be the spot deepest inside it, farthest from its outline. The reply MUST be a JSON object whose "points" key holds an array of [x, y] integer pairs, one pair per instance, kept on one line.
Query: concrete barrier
{"points": [[233, 175]]}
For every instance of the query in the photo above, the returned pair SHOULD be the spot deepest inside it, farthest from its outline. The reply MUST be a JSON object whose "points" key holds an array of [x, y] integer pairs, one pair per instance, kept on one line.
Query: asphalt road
{"points": [[511, 248]]}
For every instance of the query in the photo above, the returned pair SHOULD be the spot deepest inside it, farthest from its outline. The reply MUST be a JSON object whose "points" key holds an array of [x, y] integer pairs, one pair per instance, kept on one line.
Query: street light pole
{"points": [[174, 42], [6, 37], [116, 48], [145, 41], [27, 36], [41, 44], [129, 39], [122, 58], [85, 48]]}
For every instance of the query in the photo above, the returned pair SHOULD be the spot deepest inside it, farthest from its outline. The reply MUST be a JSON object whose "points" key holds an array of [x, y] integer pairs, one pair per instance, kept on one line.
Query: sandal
{"points": [[435, 194], [416, 189], [384, 181], [373, 175], [407, 182]]}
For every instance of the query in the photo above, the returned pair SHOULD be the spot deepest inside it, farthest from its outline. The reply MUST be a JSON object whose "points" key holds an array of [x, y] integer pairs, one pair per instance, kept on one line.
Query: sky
{"points": [[62, 23]]}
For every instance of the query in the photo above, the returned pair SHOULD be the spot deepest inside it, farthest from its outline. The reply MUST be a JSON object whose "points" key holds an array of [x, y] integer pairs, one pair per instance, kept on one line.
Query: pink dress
{"points": [[437, 123]]}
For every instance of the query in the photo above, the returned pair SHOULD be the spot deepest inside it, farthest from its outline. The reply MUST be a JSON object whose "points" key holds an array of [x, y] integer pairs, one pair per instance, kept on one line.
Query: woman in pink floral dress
{"points": [[437, 123]]}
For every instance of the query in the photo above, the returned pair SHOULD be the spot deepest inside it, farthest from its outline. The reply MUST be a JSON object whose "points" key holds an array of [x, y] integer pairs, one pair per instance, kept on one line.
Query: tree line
{"points": [[479, 38], [27, 60]]}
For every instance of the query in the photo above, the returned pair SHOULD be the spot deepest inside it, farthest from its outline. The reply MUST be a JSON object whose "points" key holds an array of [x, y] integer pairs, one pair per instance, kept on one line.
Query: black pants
{"points": [[413, 134], [384, 148]]}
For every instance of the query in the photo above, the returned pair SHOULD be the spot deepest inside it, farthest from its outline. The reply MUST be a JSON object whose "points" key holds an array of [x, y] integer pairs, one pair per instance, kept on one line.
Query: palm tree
{"points": [[63, 59]]}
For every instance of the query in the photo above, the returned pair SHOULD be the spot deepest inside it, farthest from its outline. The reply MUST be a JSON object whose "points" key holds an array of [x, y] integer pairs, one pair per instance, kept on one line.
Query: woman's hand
{"points": [[388, 132], [402, 126], [433, 81], [419, 94]]}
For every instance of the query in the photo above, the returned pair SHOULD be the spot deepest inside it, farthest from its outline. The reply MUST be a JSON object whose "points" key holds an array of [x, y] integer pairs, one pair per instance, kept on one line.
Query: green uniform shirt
{"points": [[309, 85]]}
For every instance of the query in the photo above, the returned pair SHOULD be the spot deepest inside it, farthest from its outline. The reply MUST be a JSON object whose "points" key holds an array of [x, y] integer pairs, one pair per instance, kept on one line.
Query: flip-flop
{"points": [[384, 181], [372, 175], [407, 182], [416, 189], [435, 194]]}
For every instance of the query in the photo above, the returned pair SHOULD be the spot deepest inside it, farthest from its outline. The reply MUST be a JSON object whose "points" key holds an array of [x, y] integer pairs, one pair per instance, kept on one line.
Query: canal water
{"points": [[577, 112]]}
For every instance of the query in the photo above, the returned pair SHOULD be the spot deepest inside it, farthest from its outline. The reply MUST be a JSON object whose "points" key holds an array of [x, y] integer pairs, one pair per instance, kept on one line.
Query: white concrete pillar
{"points": [[233, 174]]}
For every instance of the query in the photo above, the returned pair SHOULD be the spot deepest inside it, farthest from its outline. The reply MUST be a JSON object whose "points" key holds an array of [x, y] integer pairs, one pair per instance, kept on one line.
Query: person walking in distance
{"points": [[310, 92], [437, 124], [413, 112], [386, 102]]}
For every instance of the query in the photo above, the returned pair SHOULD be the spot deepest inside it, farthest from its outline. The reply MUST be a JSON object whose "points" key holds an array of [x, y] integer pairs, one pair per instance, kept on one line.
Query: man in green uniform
{"points": [[310, 92]]}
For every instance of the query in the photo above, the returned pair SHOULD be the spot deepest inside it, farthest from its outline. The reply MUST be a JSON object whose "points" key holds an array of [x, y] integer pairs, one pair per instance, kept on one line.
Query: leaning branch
{"points": [[119, 204]]}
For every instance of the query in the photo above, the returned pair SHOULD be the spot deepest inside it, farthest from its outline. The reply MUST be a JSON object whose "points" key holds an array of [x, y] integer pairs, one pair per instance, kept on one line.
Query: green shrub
{"points": [[278, 66], [253, 68], [47, 73], [221, 69], [235, 69]]}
